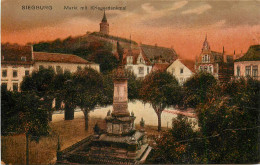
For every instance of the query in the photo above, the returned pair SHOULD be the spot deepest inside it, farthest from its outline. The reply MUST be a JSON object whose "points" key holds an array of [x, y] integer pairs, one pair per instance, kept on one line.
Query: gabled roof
{"points": [[153, 52], [160, 66], [253, 54], [57, 57], [135, 53], [16, 54], [189, 64]]}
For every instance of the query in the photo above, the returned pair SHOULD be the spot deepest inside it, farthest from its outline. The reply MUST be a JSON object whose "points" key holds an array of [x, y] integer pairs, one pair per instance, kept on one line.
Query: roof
{"points": [[16, 54], [135, 53], [104, 17], [252, 54], [218, 56], [57, 57], [189, 64], [153, 52], [160, 66]]}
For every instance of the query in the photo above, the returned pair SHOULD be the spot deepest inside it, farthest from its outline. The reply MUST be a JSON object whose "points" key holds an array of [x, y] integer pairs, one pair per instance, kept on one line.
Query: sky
{"points": [[182, 25]]}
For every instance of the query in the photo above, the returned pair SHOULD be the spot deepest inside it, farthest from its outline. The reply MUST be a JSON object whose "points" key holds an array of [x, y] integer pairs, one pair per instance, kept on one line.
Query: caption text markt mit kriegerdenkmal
{"points": [[42, 7]]}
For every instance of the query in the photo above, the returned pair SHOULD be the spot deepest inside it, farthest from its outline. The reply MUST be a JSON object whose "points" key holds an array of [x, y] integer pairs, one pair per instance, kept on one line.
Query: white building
{"points": [[182, 70], [136, 61], [249, 64], [19, 61]]}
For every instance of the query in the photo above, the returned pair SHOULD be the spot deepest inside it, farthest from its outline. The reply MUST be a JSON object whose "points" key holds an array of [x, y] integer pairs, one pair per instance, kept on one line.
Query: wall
{"points": [[175, 68], [243, 65]]}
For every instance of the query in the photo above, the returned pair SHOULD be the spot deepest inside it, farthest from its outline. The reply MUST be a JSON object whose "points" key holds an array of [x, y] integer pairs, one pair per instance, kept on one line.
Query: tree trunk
{"points": [[27, 149], [69, 112], [86, 119], [159, 120], [50, 115]]}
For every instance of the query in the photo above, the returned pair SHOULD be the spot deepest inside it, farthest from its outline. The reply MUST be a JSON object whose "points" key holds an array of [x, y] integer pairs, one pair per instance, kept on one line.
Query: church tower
{"points": [[104, 26]]}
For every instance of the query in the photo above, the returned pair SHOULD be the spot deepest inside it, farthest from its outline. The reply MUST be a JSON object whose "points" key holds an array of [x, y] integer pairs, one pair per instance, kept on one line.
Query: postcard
{"points": [[130, 82]]}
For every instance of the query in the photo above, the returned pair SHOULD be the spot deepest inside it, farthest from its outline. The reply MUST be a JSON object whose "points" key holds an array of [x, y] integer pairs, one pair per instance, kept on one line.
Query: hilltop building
{"points": [[104, 26], [218, 64], [121, 143], [19, 61], [249, 64]]}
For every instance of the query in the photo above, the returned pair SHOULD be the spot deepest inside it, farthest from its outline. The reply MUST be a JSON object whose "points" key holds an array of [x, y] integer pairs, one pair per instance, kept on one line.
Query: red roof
{"points": [[57, 57], [135, 53], [160, 66], [189, 64]]}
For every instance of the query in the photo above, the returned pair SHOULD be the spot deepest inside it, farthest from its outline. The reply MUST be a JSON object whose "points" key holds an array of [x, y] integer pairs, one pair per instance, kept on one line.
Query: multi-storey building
{"points": [[218, 64], [249, 64], [19, 61]]}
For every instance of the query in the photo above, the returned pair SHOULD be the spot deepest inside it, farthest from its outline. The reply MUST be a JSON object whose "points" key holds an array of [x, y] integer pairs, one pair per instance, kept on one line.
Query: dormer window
{"points": [[23, 58]]}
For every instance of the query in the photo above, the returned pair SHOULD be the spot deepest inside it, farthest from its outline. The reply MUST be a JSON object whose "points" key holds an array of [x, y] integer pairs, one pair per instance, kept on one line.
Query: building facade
{"points": [[20, 61], [249, 64], [136, 61], [218, 64], [180, 71]]}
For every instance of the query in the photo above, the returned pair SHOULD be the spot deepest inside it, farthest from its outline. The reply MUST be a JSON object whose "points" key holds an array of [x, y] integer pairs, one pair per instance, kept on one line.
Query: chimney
{"points": [[223, 50], [155, 45]]}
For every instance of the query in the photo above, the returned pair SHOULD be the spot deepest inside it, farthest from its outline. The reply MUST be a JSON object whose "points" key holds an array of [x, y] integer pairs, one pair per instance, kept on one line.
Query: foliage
{"points": [[81, 46], [89, 88], [106, 59], [26, 115], [42, 84], [228, 128], [170, 148], [160, 89], [197, 87]]}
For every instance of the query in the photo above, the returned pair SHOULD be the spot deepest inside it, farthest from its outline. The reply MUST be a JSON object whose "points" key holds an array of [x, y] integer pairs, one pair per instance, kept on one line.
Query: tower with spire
{"points": [[104, 26]]}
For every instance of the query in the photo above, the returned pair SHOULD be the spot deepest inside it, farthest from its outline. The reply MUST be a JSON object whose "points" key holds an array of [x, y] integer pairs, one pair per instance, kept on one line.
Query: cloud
{"points": [[178, 5], [148, 7], [198, 10]]}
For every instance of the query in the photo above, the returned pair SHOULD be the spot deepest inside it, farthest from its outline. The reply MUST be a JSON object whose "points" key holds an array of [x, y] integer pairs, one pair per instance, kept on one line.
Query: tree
{"points": [[89, 88], [41, 83], [172, 146], [26, 116], [197, 87], [232, 122], [161, 90], [106, 59], [66, 92]]}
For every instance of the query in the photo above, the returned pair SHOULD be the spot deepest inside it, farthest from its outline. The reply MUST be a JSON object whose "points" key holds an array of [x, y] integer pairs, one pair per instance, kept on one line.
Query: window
{"points": [[248, 70], [4, 73], [255, 71], [15, 73], [210, 69], [201, 68], [4, 86], [129, 60], [181, 70], [141, 70], [41, 67], [15, 87], [59, 69], [238, 71], [147, 70], [23, 58], [205, 68], [206, 58], [27, 73]]}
